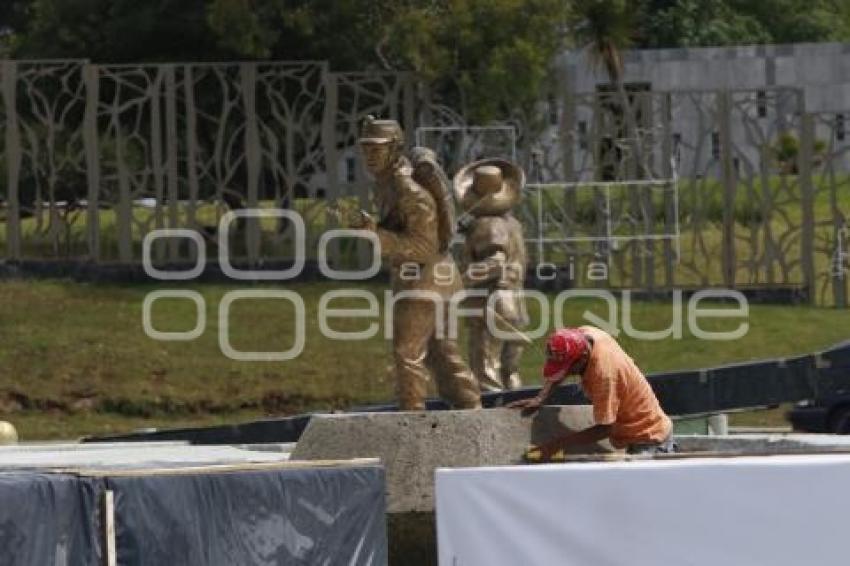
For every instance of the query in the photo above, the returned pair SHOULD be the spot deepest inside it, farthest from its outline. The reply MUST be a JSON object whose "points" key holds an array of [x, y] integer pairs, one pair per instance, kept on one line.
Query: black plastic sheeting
{"points": [[305, 516], [47, 520], [286, 429], [332, 516]]}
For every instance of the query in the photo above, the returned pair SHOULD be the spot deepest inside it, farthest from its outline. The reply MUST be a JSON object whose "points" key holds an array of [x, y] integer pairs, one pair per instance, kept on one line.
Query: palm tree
{"points": [[606, 28]]}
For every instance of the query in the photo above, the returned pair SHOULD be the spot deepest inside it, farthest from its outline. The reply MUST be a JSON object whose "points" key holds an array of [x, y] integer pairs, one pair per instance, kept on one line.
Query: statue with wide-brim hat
{"points": [[494, 259], [489, 187]]}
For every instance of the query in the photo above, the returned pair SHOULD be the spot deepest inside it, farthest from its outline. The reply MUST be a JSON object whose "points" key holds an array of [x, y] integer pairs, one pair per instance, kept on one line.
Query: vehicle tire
{"points": [[839, 421]]}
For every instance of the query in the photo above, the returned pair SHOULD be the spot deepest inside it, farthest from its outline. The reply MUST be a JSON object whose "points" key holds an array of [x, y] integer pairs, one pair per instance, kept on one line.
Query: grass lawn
{"points": [[75, 360]]}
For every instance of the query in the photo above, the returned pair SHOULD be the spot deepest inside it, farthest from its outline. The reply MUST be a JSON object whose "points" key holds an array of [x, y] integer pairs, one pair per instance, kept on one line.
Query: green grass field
{"points": [[75, 360]]}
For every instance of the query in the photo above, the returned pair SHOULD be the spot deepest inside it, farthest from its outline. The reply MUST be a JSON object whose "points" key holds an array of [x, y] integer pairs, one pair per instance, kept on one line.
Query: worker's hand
{"points": [[553, 452], [549, 452], [528, 406]]}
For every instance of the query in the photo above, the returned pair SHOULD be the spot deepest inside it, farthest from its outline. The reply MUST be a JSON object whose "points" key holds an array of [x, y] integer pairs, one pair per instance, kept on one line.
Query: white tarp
{"points": [[771, 511]]}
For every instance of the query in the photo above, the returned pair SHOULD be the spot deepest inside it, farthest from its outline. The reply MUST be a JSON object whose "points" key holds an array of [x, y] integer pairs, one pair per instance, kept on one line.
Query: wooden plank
{"points": [[108, 545], [219, 468]]}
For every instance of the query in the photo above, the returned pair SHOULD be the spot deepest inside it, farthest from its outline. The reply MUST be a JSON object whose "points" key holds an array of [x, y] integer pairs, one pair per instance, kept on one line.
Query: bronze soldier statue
{"points": [[415, 228], [493, 259]]}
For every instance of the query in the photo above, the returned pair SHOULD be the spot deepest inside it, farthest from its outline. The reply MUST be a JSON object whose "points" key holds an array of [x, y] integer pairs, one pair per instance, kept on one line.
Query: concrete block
{"points": [[412, 445]]}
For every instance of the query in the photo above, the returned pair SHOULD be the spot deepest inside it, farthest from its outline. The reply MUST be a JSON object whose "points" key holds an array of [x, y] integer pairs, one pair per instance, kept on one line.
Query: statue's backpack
{"points": [[430, 175]]}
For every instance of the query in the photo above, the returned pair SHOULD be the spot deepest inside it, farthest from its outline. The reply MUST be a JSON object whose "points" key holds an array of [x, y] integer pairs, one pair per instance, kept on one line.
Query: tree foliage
{"points": [[113, 30], [686, 23], [691, 23], [605, 28], [425, 35], [496, 53]]}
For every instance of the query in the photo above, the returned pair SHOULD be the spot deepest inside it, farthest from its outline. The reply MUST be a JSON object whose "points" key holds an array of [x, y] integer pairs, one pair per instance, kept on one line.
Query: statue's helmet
{"points": [[380, 131]]}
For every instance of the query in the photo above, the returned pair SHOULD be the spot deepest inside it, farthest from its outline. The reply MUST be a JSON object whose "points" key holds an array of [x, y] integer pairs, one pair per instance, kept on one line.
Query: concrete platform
{"points": [[411, 445]]}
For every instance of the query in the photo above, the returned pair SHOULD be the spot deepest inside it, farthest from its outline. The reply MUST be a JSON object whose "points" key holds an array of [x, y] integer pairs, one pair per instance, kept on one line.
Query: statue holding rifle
{"points": [[415, 227]]}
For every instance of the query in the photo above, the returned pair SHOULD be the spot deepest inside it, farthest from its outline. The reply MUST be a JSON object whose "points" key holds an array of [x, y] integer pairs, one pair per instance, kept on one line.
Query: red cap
{"points": [[563, 349]]}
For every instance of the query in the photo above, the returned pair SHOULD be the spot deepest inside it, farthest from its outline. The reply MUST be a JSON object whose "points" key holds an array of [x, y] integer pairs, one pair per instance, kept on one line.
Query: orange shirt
{"points": [[621, 395]]}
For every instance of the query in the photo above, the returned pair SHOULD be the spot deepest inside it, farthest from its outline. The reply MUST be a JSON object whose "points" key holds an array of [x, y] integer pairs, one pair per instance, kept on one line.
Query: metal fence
{"points": [[94, 157], [762, 193], [98, 156]]}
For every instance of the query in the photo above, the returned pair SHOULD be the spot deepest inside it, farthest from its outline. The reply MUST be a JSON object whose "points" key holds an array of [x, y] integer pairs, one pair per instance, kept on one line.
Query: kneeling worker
{"points": [[625, 408]]}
